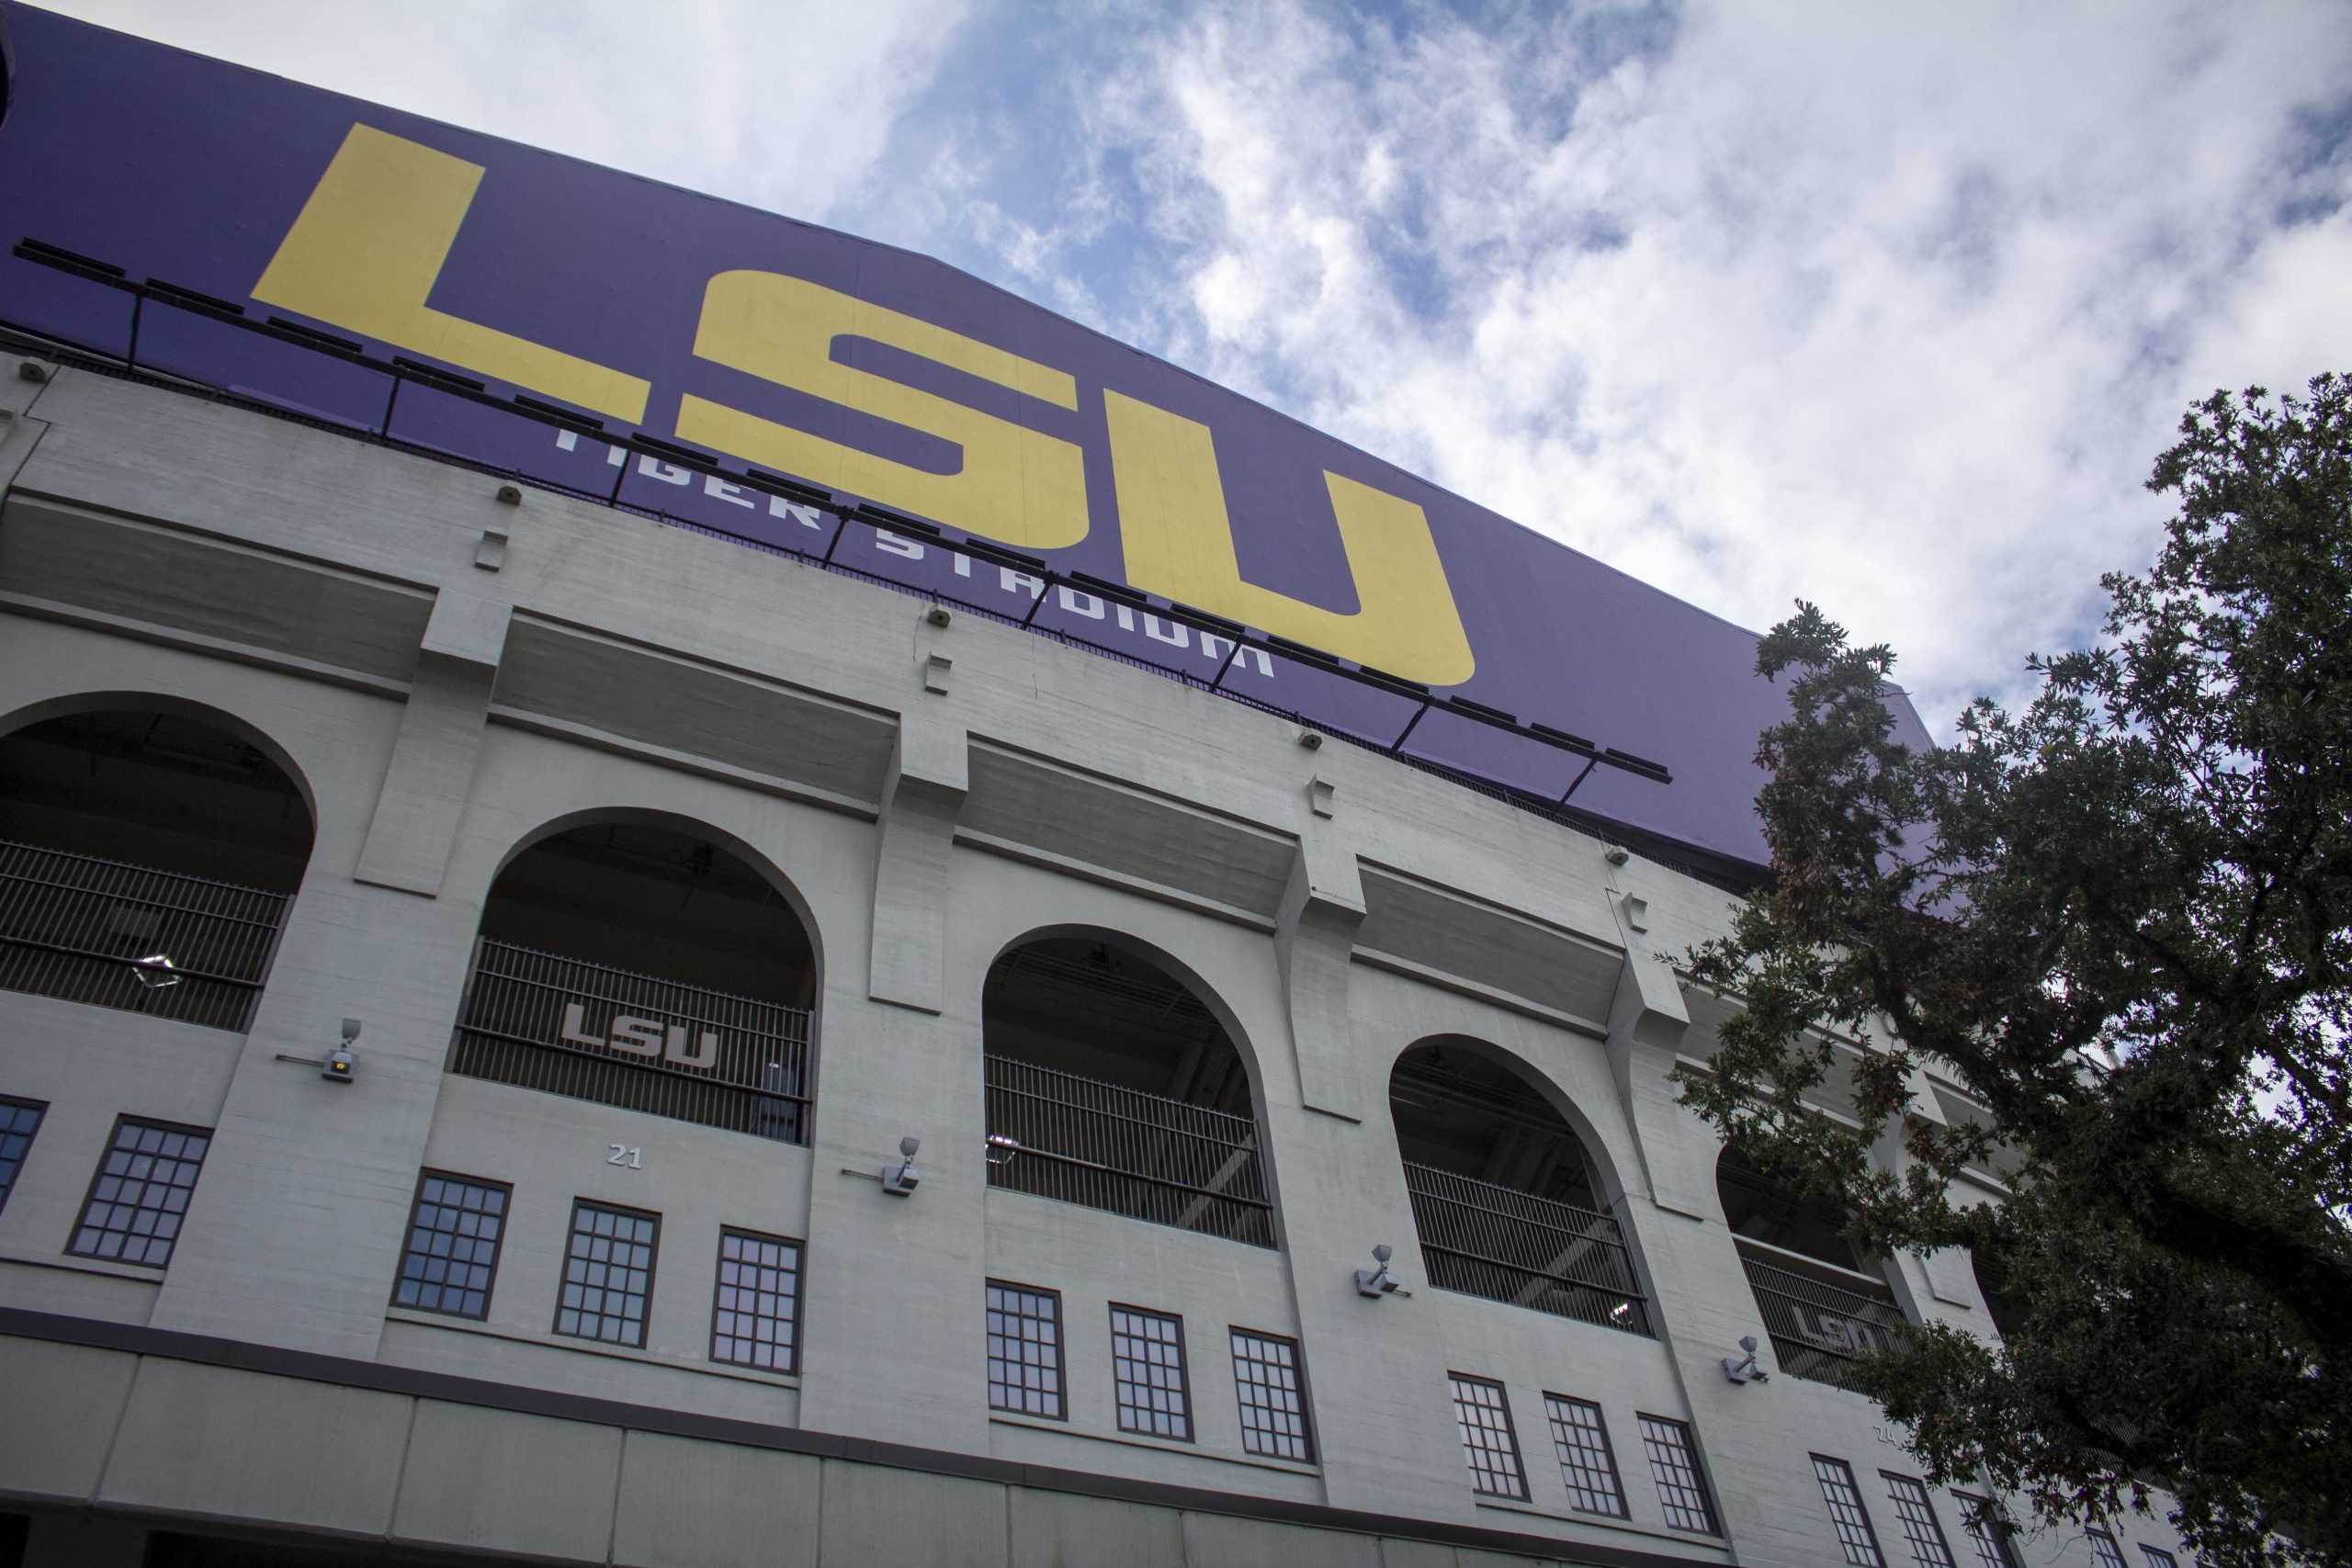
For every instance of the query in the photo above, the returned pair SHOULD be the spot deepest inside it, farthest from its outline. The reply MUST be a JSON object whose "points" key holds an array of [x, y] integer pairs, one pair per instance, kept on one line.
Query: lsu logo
{"points": [[368, 246]]}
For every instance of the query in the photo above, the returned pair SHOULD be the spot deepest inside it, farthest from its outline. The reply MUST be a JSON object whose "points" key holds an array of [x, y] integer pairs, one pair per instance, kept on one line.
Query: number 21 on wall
{"points": [[622, 1155]]}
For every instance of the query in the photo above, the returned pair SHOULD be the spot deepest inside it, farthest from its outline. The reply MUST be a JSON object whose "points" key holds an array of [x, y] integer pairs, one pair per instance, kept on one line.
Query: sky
{"points": [[1888, 308]]}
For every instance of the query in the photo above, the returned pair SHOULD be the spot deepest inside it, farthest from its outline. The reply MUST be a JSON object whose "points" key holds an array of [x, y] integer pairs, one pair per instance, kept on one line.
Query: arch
{"points": [[646, 960], [1759, 1207], [1117, 1078], [149, 849], [1824, 1304], [1509, 1197]]}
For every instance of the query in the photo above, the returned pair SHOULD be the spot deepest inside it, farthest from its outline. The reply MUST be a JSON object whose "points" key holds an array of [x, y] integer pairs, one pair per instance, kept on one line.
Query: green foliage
{"points": [[2121, 919]]}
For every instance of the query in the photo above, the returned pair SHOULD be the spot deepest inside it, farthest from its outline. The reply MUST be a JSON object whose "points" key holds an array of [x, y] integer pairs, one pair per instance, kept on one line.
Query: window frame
{"points": [[1985, 1526], [1608, 1454], [2113, 1556], [652, 1274], [1307, 1438], [1061, 1349], [40, 1108], [1895, 1482], [1455, 1382], [1183, 1373], [90, 1195], [1862, 1511], [799, 1273], [1688, 1441], [497, 1246]]}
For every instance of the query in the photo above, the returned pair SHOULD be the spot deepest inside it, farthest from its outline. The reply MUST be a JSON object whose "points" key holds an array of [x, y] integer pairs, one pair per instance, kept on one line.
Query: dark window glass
{"points": [[2158, 1557], [1587, 1462], [19, 1119], [1026, 1351], [1987, 1530], [1674, 1465], [135, 1205], [1271, 1380], [1846, 1513], [1920, 1531], [1147, 1360], [755, 1318], [2104, 1550], [453, 1236], [608, 1274], [1482, 1415]]}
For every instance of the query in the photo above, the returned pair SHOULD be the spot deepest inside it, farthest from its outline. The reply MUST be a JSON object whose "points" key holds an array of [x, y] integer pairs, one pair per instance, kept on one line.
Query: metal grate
{"points": [[1026, 1351], [1059, 1135], [19, 1119], [1682, 1484], [1918, 1517], [754, 1316], [1508, 1245], [1820, 1330], [452, 1253], [1986, 1530], [541, 1021], [1847, 1515], [140, 1193], [1489, 1443], [1588, 1464], [1271, 1379], [1147, 1365], [112, 934], [608, 1274]]}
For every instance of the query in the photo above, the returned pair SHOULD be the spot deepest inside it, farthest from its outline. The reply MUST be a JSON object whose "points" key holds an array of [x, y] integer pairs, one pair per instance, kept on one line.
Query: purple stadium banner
{"points": [[801, 373]]}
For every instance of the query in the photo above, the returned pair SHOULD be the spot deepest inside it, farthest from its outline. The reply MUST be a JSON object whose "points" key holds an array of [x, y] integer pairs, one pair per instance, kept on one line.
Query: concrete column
{"points": [[930, 774], [1314, 937], [432, 769]]}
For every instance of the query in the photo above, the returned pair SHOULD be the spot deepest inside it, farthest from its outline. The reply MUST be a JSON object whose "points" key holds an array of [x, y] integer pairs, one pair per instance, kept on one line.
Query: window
{"points": [[19, 1119], [2104, 1552], [1026, 1351], [1846, 1513], [1987, 1529], [1674, 1465], [2158, 1557], [755, 1317], [1272, 1379], [1482, 1415], [1148, 1361], [1587, 1462], [141, 1193], [1920, 1531], [453, 1236], [608, 1274]]}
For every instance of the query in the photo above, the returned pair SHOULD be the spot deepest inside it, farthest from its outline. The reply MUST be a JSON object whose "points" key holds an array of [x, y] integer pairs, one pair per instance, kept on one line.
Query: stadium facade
{"points": [[675, 890]]}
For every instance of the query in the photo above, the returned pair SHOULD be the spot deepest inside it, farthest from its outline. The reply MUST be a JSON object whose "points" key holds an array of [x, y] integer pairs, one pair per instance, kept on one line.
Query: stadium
{"points": [[676, 889]]}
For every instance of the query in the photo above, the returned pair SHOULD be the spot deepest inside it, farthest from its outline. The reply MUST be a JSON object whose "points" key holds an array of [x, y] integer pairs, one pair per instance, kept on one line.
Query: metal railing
{"points": [[1508, 1245], [541, 1021], [1083, 1141], [1819, 1330], [117, 935]]}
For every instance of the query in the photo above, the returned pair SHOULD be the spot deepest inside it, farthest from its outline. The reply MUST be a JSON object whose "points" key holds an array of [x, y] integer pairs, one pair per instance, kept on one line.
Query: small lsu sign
{"points": [[1099, 491]]}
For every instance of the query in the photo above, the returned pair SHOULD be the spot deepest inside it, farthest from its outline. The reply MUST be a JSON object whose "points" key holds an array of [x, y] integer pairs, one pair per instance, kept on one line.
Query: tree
{"points": [[2121, 919]]}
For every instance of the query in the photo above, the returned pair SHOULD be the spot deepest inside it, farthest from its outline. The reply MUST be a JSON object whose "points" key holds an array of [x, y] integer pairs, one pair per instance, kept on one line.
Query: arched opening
{"points": [[147, 857], [642, 963], [1823, 1305], [1111, 1083], [1506, 1199]]}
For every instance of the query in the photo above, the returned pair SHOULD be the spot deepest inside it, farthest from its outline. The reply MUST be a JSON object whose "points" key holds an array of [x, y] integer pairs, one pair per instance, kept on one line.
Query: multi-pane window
{"points": [[19, 1119], [1026, 1351], [1987, 1530], [2104, 1552], [608, 1274], [1587, 1462], [1272, 1380], [453, 1236], [2158, 1557], [755, 1317], [1846, 1512], [1674, 1465], [141, 1192], [1148, 1359], [1482, 1415], [1917, 1515]]}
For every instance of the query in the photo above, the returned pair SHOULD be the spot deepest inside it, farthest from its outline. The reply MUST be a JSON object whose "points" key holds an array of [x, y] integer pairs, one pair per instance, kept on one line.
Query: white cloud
{"points": [[1890, 310], [784, 106]]}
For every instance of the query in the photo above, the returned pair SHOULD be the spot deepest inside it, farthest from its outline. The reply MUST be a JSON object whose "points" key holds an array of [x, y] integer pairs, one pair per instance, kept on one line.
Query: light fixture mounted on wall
{"points": [[1378, 1282], [901, 1180], [1001, 1149], [1739, 1370]]}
